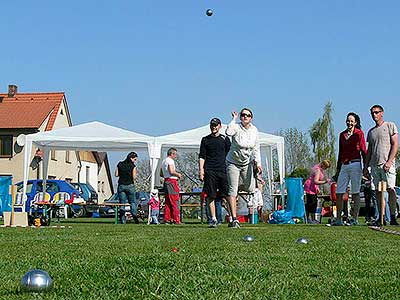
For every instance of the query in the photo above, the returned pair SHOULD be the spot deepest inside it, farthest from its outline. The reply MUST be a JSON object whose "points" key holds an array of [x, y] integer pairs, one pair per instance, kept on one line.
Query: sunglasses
{"points": [[245, 115], [375, 112]]}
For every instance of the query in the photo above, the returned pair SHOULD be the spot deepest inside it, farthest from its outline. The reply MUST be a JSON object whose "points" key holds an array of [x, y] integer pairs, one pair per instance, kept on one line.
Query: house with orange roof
{"points": [[26, 113]]}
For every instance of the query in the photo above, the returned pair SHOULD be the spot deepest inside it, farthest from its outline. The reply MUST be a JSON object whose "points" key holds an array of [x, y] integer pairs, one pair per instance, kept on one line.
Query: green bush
{"points": [[300, 173]]}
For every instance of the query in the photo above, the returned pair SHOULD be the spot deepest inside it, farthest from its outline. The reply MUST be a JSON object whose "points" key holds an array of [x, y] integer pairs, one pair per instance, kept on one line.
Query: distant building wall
{"points": [[104, 185], [61, 166], [88, 173]]}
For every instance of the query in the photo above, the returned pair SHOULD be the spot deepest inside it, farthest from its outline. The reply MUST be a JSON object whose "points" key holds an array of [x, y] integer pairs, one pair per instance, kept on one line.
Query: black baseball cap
{"points": [[215, 121]]}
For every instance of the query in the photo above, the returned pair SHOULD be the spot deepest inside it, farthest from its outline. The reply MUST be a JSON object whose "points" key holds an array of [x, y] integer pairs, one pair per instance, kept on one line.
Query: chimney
{"points": [[12, 90]]}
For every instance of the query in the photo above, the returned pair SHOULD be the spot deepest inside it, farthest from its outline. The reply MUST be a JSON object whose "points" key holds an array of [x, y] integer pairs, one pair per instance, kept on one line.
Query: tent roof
{"points": [[94, 136], [192, 138]]}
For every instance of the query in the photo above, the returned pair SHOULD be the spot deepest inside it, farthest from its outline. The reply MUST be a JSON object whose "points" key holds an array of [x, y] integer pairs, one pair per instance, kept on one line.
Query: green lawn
{"points": [[95, 259]]}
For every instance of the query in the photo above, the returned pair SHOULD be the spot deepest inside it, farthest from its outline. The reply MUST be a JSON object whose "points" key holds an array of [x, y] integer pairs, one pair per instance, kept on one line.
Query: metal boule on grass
{"points": [[248, 238], [302, 240], [36, 281]]}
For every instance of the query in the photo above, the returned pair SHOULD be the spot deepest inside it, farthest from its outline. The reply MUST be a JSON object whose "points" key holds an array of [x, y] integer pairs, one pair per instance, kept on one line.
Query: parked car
{"points": [[89, 194], [52, 187], [86, 191], [141, 200]]}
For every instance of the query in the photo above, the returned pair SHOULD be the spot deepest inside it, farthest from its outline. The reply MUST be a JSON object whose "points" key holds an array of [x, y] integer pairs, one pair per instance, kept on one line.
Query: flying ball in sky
{"points": [[209, 12]]}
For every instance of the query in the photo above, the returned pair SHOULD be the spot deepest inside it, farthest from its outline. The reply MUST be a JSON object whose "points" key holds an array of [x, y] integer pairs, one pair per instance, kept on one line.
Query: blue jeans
{"points": [[127, 194], [218, 211], [154, 216]]}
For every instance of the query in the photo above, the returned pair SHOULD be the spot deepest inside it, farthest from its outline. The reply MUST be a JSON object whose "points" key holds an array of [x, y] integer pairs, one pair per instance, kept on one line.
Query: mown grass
{"points": [[95, 259]]}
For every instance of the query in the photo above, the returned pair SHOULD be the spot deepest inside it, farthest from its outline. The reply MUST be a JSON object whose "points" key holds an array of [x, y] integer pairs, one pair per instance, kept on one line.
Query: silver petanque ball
{"points": [[248, 238], [209, 12], [302, 240], [36, 281]]}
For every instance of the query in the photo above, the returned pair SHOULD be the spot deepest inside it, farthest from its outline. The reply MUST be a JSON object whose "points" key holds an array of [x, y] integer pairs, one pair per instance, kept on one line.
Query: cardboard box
{"points": [[19, 218]]}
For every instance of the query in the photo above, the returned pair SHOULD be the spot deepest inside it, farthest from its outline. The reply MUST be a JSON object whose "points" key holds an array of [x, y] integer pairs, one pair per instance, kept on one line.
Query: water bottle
{"points": [[318, 211]]}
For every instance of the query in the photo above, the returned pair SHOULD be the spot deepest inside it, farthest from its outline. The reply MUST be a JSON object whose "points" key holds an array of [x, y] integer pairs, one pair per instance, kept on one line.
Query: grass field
{"points": [[95, 259]]}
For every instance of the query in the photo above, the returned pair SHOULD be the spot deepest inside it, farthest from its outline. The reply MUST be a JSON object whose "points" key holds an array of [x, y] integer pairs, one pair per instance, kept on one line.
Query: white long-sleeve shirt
{"points": [[245, 145]]}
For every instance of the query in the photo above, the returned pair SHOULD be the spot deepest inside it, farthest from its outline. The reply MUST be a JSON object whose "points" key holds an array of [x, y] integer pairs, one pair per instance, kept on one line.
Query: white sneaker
{"points": [[213, 224], [235, 224]]}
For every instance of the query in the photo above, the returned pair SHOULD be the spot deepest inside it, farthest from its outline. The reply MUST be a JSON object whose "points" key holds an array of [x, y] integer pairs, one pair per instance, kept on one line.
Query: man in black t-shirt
{"points": [[213, 150]]}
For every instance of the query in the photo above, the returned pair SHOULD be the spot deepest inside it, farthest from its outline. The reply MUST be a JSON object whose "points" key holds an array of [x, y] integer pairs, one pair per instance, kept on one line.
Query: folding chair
{"points": [[20, 200], [61, 200], [40, 199]]}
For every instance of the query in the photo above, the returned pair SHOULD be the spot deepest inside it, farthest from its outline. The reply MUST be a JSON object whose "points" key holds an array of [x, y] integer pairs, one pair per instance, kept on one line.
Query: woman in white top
{"points": [[244, 149]]}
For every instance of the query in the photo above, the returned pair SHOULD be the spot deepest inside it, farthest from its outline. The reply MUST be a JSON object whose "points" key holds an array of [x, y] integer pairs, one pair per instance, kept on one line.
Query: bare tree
{"points": [[143, 180], [188, 164], [297, 149]]}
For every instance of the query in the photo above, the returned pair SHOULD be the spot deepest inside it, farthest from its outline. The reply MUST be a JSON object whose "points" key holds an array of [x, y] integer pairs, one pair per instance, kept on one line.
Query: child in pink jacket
{"points": [[154, 204]]}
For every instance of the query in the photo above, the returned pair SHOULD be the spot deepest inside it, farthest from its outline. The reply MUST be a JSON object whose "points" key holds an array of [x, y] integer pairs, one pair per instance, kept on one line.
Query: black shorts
{"points": [[215, 181], [311, 203]]}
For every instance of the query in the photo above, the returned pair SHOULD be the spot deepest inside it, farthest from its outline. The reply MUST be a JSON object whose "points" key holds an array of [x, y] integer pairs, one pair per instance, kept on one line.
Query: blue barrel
{"points": [[5, 197], [295, 196]]}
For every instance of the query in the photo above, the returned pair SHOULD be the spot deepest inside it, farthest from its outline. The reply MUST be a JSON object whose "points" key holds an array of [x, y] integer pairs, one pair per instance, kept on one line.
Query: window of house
{"points": [[68, 180], [67, 157], [6, 145], [102, 187], [51, 177], [53, 154]]}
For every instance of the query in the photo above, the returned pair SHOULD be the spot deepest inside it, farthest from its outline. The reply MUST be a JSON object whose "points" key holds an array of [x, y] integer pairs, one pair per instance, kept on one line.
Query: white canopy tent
{"points": [[190, 139], [93, 136], [97, 136]]}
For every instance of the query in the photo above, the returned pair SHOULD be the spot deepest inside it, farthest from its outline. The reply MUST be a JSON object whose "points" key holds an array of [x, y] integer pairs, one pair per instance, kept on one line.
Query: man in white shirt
{"points": [[171, 188]]}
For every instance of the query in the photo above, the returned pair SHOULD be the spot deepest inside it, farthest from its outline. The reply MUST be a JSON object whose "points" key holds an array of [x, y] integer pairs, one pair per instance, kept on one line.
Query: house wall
{"points": [[58, 168], [104, 185], [14, 166], [97, 176], [89, 171]]}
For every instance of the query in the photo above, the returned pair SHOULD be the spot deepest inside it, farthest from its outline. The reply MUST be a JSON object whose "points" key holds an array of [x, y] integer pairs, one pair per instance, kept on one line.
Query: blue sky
{"points": [[158, 67]]}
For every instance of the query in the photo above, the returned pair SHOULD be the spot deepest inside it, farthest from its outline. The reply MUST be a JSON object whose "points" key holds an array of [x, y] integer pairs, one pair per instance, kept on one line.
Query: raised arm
{"points": [[231, 128]]}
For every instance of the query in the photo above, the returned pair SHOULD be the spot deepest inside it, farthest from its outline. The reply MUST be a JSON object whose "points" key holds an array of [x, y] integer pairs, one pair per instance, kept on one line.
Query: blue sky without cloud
{"points": [[158, 67]]}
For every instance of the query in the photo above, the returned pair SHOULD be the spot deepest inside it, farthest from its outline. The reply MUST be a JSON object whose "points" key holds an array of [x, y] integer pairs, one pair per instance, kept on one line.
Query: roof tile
{"points": [[29, 110]]}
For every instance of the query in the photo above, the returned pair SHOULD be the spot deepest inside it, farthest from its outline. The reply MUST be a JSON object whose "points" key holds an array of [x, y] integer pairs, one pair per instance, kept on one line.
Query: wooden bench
{"points": [[117, 207]]}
